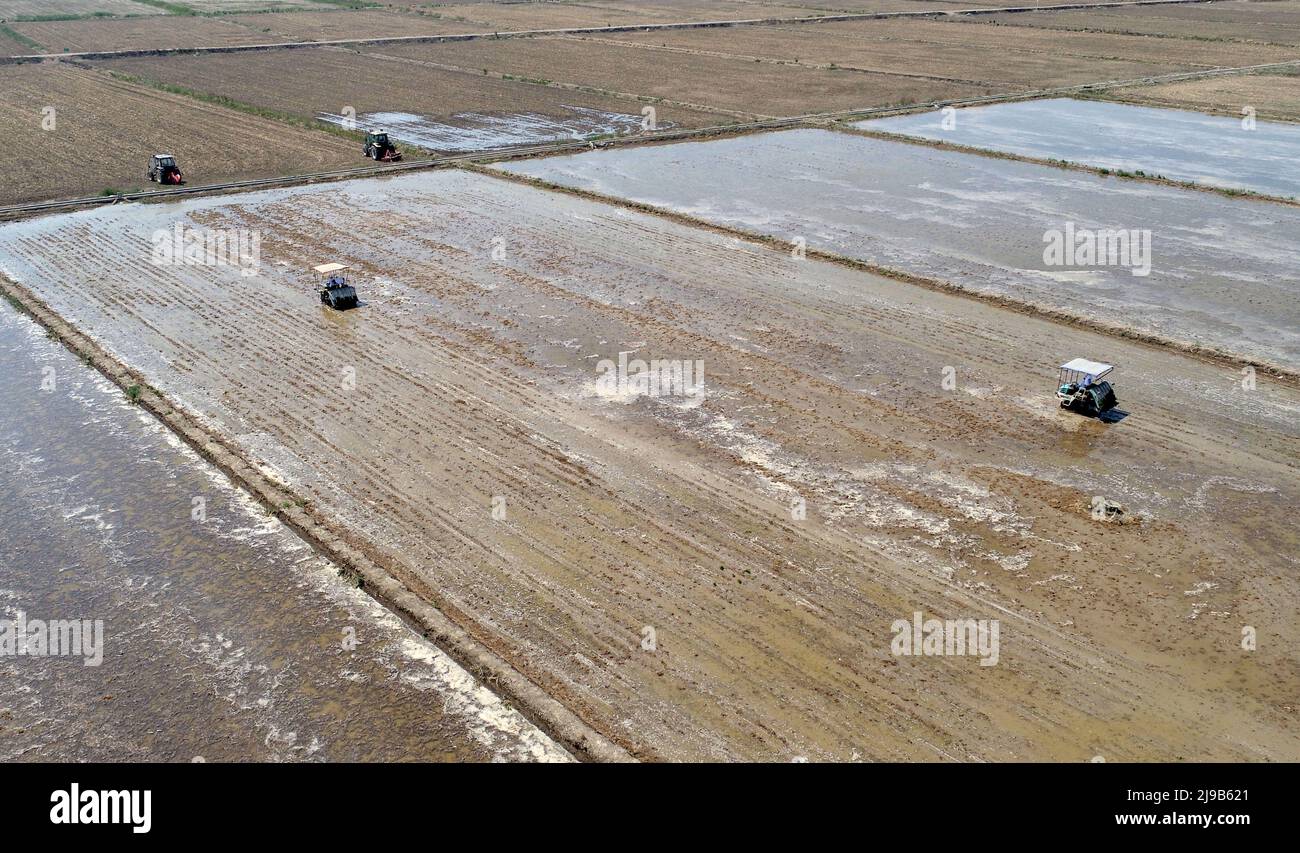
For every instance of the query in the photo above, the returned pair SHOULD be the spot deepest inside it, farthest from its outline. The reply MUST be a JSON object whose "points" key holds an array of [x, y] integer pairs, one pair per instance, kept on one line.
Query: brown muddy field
{"points": [[741, 86], [105, 131], [469, 374], [1273, 96], [325, 80]]}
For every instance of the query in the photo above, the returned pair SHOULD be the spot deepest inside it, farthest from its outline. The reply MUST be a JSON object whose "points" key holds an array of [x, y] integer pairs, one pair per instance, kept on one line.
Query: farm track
{"points": [[680, 25], [618, 514]]}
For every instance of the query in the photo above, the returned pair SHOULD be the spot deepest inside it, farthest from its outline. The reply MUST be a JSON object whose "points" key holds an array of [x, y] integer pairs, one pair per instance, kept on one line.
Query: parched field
{"points": [[740, 86], [105, 130], [547, 16], [254, 5], [1273, 22], [12, 46], [1275, 96], [349, 24], [628, 518], [313, 81], [154, 32], [925, 48], [11, 10], [1012, 43]]}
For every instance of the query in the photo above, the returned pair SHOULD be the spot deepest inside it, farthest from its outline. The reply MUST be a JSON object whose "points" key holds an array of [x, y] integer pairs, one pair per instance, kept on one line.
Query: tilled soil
{"points": [[467, 381], [1268, 23], [1007, 56], [723, 82], [326, 80], [1275, 96], [104, 131], [154, 32]]}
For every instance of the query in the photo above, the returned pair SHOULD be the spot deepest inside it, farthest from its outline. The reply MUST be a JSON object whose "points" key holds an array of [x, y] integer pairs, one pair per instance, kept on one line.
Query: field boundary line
{"points": [[487, 666], [1209, 354], [620, 28]]}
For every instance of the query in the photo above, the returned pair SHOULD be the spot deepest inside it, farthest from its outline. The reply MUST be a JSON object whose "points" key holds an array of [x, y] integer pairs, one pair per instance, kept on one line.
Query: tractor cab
{"points": [[163, 170], [1083, 386], [336, 292], [379, 147]]}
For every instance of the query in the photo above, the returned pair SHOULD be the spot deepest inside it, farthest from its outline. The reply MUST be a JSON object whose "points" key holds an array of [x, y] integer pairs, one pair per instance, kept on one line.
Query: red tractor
{"points": [[163, 170]]}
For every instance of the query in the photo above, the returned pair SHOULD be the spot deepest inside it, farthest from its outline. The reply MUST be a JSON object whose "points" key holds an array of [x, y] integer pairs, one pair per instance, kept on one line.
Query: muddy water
{"points": [[481, 131], [1219, 267], [225, 636], [1214, 150]]}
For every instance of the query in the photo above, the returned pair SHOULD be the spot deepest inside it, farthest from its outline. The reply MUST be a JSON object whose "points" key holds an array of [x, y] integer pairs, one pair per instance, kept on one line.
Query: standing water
{"points": [[224, 636]]}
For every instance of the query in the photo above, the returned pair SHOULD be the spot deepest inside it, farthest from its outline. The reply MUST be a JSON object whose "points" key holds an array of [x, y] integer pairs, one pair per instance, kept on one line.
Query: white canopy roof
{"points": [[1083, 365], [330, 267]]}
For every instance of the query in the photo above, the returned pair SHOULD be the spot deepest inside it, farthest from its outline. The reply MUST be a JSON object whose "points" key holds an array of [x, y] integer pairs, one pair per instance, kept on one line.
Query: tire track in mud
{"points": [[619, 515]]}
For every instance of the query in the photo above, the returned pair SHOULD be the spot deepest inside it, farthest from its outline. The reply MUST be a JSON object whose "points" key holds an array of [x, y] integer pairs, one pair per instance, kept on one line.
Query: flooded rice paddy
{"points": [[467, 374], [225, 637], [486, 131], [1219, 151], [1218, 267]]}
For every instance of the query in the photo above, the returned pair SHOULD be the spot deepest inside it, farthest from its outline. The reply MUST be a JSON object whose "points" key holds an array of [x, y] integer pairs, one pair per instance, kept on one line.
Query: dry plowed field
{"points": [[741, 86], [13, 9], [547, 16], [255, 5], [1010, 43], [156, 32], [1268, 22], [924, 48], [357, 24], [1275, 96], [105, 130], [325, 80], [469, 375], [10, 46]]}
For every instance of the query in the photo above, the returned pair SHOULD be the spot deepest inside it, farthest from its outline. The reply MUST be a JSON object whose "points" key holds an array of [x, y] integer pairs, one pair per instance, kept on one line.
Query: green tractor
{"points": [[380, 148], [1082, 387]]}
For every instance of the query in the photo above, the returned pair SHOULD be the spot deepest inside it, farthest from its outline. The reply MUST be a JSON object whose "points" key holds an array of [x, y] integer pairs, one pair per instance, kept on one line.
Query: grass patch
{"points": [[133, 394], [15, 303], [243, 107], [169, 8], [66, 16], [20, 38]]}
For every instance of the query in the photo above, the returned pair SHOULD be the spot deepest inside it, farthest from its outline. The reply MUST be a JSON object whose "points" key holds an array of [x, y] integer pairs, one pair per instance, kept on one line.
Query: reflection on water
{"points": [[226, 636], [1217, 151], [482, 131], [983, 224]]}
